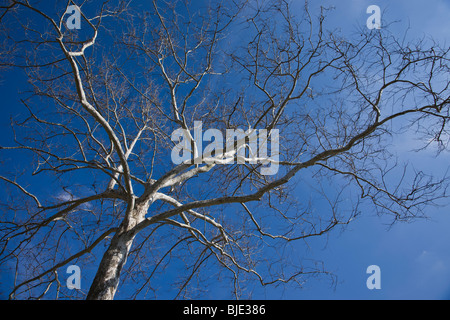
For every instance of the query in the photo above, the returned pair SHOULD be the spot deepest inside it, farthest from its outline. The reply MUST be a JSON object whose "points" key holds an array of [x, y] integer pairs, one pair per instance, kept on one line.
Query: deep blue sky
{"points": [[414, 258]]}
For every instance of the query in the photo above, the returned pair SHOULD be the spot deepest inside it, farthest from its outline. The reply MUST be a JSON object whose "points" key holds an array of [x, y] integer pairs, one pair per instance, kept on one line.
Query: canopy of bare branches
{"points": [[101, 103]]}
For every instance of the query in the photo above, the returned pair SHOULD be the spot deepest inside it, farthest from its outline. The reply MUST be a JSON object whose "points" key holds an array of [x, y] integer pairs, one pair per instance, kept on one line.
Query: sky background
{"points": [[414, 257]]}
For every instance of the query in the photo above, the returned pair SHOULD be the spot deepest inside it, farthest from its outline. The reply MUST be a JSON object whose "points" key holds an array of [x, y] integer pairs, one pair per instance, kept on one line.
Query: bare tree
{"points": [[102, 103]]}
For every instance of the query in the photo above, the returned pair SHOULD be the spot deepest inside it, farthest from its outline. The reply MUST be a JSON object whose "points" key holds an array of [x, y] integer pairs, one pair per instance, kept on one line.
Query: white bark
{"points": [[107, 278]]}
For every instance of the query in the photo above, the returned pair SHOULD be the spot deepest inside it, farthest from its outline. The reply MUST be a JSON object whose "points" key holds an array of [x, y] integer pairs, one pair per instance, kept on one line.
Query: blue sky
{"points": [[414, 257]]}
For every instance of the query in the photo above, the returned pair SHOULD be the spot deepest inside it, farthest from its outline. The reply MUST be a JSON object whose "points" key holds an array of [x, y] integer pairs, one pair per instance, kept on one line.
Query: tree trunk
{"points": [[107, 278]]}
